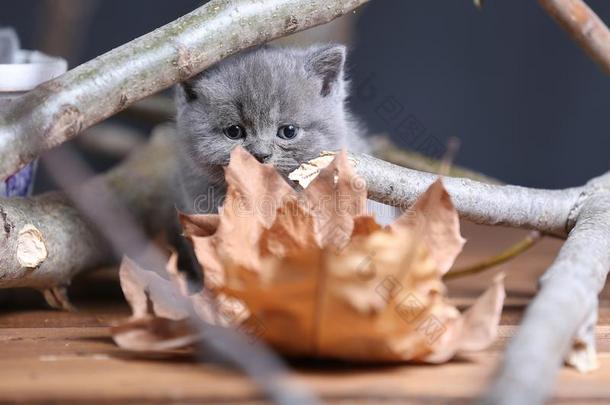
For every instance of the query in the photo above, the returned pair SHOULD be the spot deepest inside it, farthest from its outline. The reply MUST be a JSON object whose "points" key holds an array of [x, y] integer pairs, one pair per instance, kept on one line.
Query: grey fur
{"points": [[261, 90]]}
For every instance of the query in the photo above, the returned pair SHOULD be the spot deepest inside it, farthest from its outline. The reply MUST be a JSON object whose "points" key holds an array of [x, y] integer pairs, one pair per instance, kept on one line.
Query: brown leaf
{"points": [[254, 193], [159, 316], [336, 196], [254, 189], [199, 225], [152, 334], [437, 221], [316, 276], [364, 225], [480, 319], [291, 231], [478, 327], [148, 293]]}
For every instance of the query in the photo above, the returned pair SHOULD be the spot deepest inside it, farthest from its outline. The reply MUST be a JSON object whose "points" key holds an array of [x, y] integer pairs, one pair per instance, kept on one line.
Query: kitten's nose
{"points": [[262, 156]]}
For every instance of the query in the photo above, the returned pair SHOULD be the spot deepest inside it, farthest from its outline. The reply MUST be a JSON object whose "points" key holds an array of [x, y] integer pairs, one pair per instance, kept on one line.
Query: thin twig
{"points": [[504, 256], [584, 26]]}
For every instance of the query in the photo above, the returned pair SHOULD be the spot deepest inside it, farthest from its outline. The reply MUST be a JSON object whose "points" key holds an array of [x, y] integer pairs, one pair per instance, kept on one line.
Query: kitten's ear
{"points": [[187, 90], [192, 89], [327, 62]]}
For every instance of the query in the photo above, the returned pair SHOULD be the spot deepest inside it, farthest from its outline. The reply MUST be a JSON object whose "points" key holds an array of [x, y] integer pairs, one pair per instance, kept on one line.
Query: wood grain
{"points": [[50, 356]]}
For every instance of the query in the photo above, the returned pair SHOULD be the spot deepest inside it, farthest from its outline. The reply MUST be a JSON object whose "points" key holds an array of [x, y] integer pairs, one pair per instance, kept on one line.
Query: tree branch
{"points": [[45, 241], [560, 322], [565, 307], [520, 207], [60, 109], [38, 233], [584, 26], [385, 149], [564, 310]]}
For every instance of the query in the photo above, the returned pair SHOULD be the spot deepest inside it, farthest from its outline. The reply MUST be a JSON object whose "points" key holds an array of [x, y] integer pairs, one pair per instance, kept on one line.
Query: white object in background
{"points": [[27, 70]]}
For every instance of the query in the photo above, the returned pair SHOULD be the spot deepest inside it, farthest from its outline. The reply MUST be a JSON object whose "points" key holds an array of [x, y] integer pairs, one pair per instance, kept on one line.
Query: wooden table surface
{"points": [[51, 356]]}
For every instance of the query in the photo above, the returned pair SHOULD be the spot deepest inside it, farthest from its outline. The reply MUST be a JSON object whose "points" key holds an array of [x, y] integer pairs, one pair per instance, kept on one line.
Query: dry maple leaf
{"points": [[317, 276], [161, 308], [159, 319]]}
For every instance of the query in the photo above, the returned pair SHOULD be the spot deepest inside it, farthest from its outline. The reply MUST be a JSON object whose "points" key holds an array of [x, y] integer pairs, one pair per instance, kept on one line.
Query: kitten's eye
{"points": [[235, 132], [287, 132]]}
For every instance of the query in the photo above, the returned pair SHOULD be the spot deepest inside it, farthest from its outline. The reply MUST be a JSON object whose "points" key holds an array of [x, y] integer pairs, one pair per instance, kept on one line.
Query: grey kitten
{"points": [[283, 105]]}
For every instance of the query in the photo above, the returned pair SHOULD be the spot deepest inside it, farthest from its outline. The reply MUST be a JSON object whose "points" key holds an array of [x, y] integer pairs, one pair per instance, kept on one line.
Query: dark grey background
{"points": [[528, 105]]}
